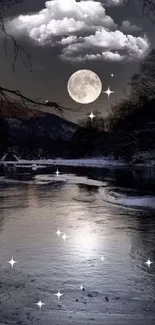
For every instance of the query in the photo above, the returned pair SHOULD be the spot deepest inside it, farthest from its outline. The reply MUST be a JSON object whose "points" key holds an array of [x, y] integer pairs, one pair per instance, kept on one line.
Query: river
{"points": [[108, 217]]}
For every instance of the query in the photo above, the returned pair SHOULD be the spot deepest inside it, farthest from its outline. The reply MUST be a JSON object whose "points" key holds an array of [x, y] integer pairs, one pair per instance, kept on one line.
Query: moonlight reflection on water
{"points": [[85, 240], [34, 219]]}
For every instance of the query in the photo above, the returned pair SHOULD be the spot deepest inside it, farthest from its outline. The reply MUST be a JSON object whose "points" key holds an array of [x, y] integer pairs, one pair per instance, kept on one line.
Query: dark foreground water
{"points": [[104, 213]]}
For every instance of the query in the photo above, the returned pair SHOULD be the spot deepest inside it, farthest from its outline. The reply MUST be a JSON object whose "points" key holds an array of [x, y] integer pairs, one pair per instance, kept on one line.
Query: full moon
{"points": [[84, 86]]}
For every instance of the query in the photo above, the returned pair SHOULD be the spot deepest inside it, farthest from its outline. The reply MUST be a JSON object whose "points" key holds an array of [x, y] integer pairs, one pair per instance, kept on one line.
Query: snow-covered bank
{"points": [[70, 179], [137, 202], [100, 162], [88, 162]]}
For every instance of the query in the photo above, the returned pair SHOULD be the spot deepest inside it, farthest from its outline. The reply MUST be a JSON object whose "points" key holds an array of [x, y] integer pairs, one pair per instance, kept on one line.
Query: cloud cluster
{"points": [[82, 30]]}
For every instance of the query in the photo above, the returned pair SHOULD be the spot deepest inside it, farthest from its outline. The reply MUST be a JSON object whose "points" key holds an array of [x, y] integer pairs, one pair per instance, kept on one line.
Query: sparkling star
{"points": [[102, 258], [112, 75], [148, 263], [108, 92], [57, 172], [91, 116], [85, 15], [58, 232], [59, 294], [12, 262], [81, 287], [64, 237], [40, 304]]}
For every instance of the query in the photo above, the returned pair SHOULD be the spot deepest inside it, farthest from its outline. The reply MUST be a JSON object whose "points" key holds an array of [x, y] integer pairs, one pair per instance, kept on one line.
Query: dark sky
{"points": [[70, 36]]}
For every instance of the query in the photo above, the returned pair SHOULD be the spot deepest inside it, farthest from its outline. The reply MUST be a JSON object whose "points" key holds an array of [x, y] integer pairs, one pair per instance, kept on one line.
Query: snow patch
{"points": [[131, 201], [69, 178]]}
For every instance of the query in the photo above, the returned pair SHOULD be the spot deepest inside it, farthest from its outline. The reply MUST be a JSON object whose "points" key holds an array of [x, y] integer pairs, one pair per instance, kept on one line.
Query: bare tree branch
{"points": [[20, 52], [4, 94], [147, 8]]}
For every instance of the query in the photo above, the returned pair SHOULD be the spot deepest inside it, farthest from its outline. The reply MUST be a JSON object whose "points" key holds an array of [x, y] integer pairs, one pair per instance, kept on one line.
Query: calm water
{"points": [[103, 213]]}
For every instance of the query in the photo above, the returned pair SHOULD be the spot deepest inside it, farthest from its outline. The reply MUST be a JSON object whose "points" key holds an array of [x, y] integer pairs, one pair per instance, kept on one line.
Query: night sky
{"points": [[104, 36]]}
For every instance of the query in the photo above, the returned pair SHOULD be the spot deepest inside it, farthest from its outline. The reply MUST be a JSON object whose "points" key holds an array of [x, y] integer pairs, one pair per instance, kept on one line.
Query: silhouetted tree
{"points": [[143, 82], [148, 8], [87, 137], [142, 91], [96, 123]]}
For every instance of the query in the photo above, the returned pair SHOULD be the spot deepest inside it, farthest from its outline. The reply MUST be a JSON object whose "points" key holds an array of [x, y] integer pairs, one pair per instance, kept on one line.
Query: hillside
{"points": [[16, 110], [28, 131]]}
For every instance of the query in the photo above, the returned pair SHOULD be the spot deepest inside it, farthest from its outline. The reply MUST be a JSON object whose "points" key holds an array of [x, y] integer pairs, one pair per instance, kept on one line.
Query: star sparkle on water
{"points": [[58, 233], [40, 304], [102, 258], [12, 262], [64, 237], [58, 294], [57, 172], [109, 92], [81, 287]]}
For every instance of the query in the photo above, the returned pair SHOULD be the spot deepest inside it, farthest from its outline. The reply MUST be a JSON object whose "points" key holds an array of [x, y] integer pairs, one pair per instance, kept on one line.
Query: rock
{"points": [[106, 298]]}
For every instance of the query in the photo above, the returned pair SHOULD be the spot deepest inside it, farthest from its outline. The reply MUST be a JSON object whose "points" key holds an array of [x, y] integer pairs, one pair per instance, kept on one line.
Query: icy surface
{"points": [[90, 162], [97, 221]]}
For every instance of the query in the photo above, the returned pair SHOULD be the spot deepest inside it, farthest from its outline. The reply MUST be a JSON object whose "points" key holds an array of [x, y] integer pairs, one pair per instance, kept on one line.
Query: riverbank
{"points": [[140, 160], [87, 162]]}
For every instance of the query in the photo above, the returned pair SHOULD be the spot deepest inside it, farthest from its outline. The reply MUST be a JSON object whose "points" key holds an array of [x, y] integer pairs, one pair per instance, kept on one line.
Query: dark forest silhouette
{"points": [[130, 128]]}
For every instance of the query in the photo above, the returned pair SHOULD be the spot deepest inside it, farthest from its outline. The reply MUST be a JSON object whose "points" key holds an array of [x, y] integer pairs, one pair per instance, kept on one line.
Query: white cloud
{"points": [[110, 56], [107, 56], [82, 29], [68, 40], [113, 46], [127, 27], [62, 17]]}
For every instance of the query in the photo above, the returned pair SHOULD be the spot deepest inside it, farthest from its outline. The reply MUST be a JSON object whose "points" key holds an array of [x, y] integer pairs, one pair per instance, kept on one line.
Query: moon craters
{"points": [[84, 86]]}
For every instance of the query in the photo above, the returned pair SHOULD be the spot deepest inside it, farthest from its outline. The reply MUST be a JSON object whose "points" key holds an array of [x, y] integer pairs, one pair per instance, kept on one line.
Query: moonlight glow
{"points": [[84, 86]]}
